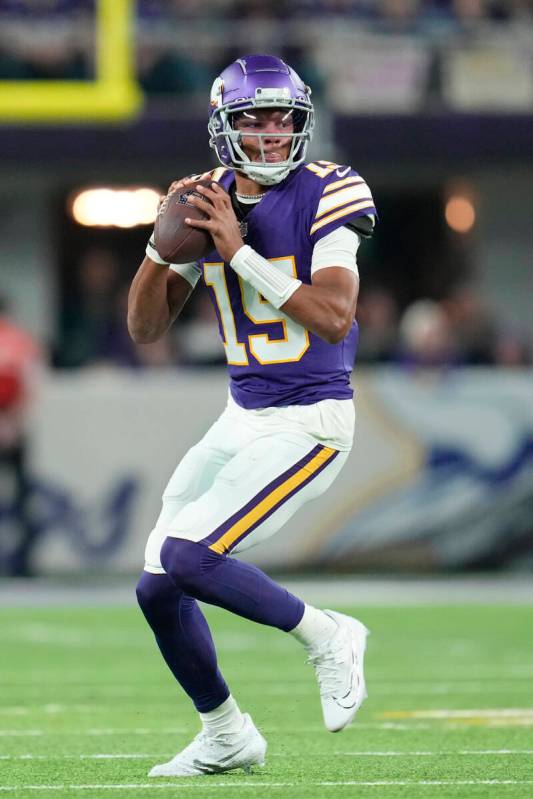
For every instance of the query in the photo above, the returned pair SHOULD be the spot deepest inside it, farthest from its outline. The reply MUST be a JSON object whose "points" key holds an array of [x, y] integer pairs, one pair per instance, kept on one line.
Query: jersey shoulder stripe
{"points": [[343, 195], [347, 211], [338, 184], [348, 194]]}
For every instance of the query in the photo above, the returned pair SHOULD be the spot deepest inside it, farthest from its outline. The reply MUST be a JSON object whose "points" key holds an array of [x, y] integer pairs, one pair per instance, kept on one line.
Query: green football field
{"points": [[87, 707]]}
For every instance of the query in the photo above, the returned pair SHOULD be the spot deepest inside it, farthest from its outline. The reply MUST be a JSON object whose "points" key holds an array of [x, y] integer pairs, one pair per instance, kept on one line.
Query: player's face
{"points": [[275, 127]]}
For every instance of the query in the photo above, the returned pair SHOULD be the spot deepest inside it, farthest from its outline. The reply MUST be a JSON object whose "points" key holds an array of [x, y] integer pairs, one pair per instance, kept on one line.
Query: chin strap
{"points": [[265, 176]]}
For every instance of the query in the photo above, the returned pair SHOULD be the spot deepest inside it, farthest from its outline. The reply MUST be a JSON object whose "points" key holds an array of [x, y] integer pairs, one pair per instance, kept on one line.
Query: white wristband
{"points": [[152, 253], [191, 272], [269, 281]]}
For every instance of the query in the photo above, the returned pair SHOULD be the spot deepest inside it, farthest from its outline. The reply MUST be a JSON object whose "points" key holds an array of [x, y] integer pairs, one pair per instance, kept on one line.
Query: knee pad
{"points": [[187, 563]]}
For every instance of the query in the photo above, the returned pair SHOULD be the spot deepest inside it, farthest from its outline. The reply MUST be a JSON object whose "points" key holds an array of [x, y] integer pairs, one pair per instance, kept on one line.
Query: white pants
{"points": [[250, 472]]}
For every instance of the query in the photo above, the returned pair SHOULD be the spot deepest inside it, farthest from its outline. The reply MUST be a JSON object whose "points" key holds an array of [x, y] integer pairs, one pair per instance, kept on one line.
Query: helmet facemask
{"points": [[226, 139]]}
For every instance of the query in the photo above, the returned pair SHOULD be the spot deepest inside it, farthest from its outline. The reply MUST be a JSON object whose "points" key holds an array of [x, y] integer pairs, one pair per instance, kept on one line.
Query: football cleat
{"points": [[339, 669], [215, 754]]}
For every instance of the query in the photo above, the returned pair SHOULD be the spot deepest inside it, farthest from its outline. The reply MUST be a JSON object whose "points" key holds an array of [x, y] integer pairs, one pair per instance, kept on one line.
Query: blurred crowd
{"points": [[92, 327], [55, 39], [283, 9], [386, 10], [458, 329]]}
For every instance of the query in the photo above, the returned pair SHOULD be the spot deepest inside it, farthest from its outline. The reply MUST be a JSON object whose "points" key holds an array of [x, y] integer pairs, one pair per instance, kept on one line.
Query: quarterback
{"points": [[284, 282]]}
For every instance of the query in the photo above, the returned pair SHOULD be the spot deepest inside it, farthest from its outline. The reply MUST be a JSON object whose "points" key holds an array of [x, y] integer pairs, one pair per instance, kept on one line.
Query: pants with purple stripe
{"points": [[235, 488]]}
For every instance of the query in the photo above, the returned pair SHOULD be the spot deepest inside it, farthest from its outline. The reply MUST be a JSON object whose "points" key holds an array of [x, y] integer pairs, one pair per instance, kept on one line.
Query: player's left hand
{"points": [[222, 223]]}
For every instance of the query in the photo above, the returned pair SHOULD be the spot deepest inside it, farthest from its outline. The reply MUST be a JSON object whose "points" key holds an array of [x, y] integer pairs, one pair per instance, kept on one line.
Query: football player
{"points": [[284, 283]]}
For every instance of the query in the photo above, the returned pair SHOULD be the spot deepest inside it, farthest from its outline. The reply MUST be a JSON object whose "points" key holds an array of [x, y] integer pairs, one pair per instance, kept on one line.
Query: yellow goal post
{"points": [[113, 95]]}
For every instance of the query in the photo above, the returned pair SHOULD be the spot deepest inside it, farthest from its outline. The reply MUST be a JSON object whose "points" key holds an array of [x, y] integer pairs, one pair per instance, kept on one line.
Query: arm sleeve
{"points": [[338, 248]]}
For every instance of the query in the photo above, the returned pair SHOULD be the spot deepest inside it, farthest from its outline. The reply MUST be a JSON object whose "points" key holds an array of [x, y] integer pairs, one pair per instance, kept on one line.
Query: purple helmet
{"points": [[259, 81]]}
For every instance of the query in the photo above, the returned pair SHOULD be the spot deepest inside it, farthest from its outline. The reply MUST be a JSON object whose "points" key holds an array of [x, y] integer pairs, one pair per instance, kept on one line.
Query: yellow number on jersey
{"points": [[265, 350], [295, 339], [235, 351], [322, 168]]}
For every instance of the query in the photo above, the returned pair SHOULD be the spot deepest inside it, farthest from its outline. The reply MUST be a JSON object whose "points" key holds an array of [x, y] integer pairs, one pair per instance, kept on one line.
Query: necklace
{"points": [[246, 198]]}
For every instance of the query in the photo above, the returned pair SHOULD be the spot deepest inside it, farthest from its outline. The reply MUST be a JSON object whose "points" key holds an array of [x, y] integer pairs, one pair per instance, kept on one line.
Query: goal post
{"points": [[113, 95]]}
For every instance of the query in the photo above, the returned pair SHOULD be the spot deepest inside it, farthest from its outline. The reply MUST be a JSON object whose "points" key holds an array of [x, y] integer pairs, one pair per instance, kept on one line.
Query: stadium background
{"points": [[432, 103], [427, 534]]}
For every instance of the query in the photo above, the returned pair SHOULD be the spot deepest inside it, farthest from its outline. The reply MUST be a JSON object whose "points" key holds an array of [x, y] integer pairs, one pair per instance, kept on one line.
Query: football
{"points": [[175, 240]]}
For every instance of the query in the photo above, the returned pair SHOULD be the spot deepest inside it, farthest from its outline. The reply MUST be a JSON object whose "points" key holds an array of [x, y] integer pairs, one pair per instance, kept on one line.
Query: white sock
{"points": [[224, 719], [315, 628]]}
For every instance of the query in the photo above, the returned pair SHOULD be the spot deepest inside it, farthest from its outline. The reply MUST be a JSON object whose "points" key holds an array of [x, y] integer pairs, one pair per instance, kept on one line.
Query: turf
{"points": [[79, 686]]}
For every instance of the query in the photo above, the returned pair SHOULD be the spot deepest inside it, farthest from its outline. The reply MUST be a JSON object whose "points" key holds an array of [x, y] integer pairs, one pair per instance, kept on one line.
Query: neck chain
{"points": [[249, 198]]}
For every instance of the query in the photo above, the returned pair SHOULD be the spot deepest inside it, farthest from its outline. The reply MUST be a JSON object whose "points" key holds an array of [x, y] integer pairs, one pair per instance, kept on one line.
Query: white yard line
{"points": [[127, 756], [416, 689], [294, 686], [439, 753], [85, 757], [50, 709], [386, 753], [57, 635], [98, 732], [394, 726], [31, 680], [135, 731], [206, 783]]}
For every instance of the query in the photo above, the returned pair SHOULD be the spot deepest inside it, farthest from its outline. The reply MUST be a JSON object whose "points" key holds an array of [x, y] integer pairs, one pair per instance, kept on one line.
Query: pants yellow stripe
{"points": [[266, 504]]}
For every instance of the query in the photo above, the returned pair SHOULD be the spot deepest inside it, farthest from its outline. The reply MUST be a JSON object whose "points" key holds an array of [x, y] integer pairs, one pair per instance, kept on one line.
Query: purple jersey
{"points": [[273, 360]]}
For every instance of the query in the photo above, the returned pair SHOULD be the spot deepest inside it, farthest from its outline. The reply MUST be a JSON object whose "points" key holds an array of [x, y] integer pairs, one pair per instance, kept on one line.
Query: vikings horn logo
{"points": [[216, 93]]}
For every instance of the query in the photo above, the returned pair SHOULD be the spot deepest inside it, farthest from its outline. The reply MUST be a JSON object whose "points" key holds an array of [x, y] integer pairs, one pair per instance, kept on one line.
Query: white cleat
{"points": [[340, 671], [215, 754]]}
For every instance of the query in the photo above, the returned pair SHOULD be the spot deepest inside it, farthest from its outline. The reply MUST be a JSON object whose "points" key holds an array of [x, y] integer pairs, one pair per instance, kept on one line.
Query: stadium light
{"points": [[460, 213], [106, 206]]}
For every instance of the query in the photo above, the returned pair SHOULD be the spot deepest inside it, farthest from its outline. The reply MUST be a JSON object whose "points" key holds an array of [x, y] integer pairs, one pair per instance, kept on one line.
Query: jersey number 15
{"points": [[264, 349]]}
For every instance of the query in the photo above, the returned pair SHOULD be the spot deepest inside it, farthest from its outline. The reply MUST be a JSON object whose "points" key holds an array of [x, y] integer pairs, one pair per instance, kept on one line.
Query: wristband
{"points": [[274, 285], [152, 253]]}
